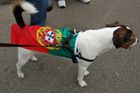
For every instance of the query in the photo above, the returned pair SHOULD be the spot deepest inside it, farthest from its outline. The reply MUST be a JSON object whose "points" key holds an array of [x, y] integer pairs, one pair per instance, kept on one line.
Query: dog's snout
{"points": [[138, 41]]}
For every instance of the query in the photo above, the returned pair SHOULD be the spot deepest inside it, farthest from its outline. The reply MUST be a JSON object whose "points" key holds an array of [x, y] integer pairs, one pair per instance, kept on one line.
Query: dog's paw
{"points": [[82, 83], [34, 59], [20, 75], [86, 73]]}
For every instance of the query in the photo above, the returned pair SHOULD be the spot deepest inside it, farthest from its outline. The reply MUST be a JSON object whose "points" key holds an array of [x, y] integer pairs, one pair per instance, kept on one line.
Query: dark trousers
{"points": [[39, 18]]}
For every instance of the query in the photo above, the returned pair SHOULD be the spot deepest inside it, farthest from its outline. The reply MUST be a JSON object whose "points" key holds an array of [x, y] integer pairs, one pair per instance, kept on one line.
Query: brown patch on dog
{"points": [[123, 37], [131, 40]]}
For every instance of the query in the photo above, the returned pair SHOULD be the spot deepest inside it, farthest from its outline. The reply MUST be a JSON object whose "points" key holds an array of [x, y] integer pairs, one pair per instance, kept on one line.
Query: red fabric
{"points": [[26, 36]]}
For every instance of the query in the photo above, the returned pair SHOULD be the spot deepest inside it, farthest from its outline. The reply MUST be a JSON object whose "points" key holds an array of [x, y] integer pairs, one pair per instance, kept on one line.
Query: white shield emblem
{"points": [[50, 37]]}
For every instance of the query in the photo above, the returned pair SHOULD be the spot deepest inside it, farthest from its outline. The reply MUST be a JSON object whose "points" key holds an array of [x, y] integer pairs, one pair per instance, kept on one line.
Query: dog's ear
{"points": [[118, 38], [117, 41], [116, 23]]}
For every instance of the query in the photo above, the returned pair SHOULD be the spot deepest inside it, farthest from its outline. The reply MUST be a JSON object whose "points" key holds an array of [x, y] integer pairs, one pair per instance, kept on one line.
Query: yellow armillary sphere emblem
{"points": [[49, 36]]}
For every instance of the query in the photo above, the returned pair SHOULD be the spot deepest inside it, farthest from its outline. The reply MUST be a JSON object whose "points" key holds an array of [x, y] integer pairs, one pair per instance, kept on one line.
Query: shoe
{"points": [[61, 3], [85, 1]]}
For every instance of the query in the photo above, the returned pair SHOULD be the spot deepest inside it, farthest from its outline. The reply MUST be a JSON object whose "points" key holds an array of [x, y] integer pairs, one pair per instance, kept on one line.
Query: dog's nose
{"points": [[137, 41]]}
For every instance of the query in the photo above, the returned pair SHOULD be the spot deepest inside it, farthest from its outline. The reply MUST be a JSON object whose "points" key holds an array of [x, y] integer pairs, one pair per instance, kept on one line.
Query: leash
{"points": [[14, 45], [20, 45]]}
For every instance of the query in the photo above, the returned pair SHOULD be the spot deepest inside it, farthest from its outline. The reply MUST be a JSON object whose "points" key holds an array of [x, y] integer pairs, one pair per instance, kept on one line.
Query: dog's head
{"points": [[123, 37]]}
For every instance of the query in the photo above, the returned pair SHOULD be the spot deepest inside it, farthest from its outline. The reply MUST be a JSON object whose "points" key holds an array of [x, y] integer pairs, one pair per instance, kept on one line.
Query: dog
{"points": [[90, 43]]}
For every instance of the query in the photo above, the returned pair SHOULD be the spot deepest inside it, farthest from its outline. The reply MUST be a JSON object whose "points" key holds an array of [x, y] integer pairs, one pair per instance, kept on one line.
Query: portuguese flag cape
{"points": [[42, 36]]}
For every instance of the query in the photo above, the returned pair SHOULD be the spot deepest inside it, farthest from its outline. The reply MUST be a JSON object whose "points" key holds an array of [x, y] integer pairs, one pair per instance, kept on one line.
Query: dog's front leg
{"points": [[82, 71]]}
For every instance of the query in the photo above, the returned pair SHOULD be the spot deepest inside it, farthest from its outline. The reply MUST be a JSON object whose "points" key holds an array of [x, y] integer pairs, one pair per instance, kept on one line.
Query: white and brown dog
{"points": [[90, 44]]}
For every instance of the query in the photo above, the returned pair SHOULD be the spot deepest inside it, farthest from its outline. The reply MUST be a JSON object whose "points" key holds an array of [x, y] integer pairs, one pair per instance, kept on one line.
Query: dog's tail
{"points": [[19, 7]]}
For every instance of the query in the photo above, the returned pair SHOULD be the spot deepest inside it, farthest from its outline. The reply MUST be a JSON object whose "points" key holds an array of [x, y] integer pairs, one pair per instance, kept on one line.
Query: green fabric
{"points": [[64, 52]]}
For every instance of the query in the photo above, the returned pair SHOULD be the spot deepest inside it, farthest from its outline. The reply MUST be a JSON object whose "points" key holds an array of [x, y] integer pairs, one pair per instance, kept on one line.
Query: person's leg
{"points": [[50, 5], [40, 17]]}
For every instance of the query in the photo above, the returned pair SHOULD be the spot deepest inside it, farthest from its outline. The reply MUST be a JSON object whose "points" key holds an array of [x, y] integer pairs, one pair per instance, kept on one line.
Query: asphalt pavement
{"points": [[116, 71]]}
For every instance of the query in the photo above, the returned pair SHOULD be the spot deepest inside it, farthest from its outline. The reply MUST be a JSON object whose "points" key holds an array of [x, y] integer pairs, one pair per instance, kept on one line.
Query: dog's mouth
{"points": [[128, 46]]}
